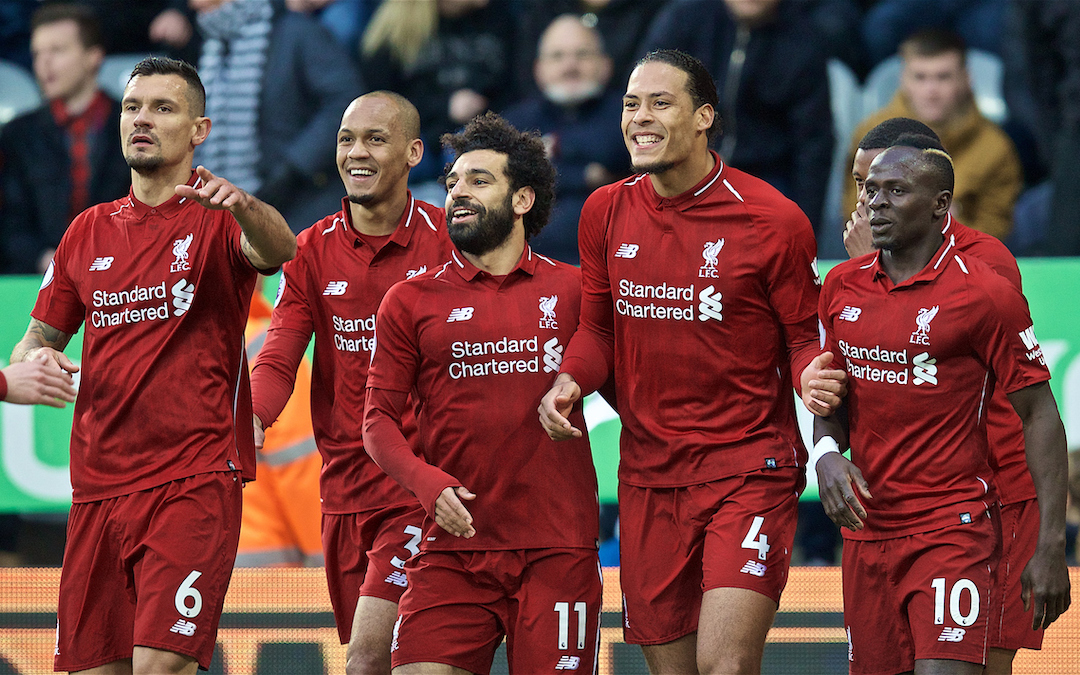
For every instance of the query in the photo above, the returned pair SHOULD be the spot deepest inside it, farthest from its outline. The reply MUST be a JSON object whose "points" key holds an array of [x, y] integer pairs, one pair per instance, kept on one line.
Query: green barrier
{"points": [[34, 440]]}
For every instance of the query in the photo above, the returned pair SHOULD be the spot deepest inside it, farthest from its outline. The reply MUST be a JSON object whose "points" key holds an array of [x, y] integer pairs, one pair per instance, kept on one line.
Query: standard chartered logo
{"points": [[923, 369], [552, 355], [183, 294], [710, 306]]}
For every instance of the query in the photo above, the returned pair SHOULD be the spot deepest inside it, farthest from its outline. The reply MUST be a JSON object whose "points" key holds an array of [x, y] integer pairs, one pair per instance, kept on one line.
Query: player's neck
{"points": [[502, 260], [903, 263], [684, 175], [157, 187], [379, 218]]}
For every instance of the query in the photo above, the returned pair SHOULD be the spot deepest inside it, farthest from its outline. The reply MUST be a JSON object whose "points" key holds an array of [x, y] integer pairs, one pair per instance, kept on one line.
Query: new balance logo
{"points": [[552, 355], [952, 635], [460, 314], [754, 567], [183, 294], [336, 288], [627, 251], [850, 313], [183, 628], [398, 579], [710, 305], [103, 263], [568, 663], [923, 370]]}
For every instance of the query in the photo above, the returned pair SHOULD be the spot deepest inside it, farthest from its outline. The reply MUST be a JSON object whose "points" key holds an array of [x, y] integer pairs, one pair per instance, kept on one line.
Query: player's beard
{"points": [[144, 164], [361, 199], [487, 232], [655, 167]]}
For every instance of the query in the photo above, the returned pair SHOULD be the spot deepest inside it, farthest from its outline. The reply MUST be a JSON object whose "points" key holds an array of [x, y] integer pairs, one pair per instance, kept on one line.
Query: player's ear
{"points": [[202, 130], [523, 200], [942, 203], [415, 152]]}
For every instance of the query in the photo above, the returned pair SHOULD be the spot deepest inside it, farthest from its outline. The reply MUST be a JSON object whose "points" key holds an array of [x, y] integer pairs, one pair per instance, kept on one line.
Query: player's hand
{"points": [[823, 388], [838, 479], [857, 238], [555, 408], [40, 381], [451, 515], [1045, 586], [257, 429], [52, 355], [215, 193]]}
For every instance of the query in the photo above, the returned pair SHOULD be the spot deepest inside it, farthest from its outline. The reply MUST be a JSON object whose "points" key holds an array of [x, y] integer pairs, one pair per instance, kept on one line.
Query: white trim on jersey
{"points": [[128, 205], [544, 258], [952, 243], [729, 187], [408, 221], [706, 186], [444, 266], [635, 179], [948, 223], [453, 254], [961, 263], [427, 218]]}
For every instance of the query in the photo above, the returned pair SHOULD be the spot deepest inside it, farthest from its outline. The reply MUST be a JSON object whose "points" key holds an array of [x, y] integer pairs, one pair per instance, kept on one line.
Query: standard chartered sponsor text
{"points": [[359, 344], [528, 347], [878, 354], [663, 291], [135, 294]]}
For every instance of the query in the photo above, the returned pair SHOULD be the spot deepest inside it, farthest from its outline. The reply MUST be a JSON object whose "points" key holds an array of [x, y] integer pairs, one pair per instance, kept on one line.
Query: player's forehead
{"points": [[371, 114], [153, 88], [654, 79], [863, 159], [473, 162], [898, 164]]}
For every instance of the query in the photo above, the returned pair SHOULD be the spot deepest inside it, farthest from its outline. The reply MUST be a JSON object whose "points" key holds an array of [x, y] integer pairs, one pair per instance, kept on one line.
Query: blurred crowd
{"points": [[800, 82]]}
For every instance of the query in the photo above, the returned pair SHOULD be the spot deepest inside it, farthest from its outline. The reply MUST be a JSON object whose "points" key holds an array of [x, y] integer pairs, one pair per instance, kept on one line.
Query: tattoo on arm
{"points": [[39, 334]]}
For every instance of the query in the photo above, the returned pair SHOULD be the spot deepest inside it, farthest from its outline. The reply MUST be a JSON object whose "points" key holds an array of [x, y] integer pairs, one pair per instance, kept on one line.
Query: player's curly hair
{"points": [[526, 161]]}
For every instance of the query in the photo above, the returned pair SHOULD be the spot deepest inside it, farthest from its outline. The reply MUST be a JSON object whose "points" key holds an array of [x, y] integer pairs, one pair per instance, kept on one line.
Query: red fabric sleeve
{"points": [[386, 444], [590, 356], [274, 373], [3, 386]]}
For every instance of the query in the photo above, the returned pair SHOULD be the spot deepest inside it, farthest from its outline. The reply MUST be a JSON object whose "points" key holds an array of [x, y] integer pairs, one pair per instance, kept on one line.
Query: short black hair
{"points": [[162, 65], [933, 42], [83, 16], [937, 163], [885, 134], [699, 83], [527, 164], [918, 141]]}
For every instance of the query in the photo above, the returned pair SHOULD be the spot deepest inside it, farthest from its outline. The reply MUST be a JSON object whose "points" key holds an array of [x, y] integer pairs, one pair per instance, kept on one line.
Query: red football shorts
{"points": [[365, 555], [149, 569], [460, 604], [924, 596], [1010, 626], [677, 543]]}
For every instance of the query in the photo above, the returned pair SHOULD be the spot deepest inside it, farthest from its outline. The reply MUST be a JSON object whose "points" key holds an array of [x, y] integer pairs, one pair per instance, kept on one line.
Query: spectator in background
{"points": [[1047, 31], [346, 19], [889, 22], [159, 26], [622, 25], [61, 158], [774, 92], [451, 58], [576, 115], [276, 83], [935, 89]]}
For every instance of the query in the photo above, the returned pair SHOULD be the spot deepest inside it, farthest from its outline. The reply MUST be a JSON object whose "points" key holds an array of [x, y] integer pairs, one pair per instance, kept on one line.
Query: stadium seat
{"points": [[18, 91], [846, 103], [986, 75], [114, 73]]}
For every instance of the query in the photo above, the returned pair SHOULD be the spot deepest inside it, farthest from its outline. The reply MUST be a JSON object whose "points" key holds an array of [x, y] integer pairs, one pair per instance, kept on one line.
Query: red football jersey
{"points": [[1004, 429], [480, 352], [163, 293], [922, 358], [332, 289], [705, 303]]}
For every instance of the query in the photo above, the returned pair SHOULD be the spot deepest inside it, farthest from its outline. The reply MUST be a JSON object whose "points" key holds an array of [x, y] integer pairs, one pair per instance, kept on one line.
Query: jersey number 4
{"points": [[755, 540]]}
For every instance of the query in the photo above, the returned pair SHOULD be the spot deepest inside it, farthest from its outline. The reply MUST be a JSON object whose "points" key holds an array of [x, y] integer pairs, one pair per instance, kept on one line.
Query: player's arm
{"points": [[43, 339], [840, 482], [267, 240], [440, 493], [1045, 579]]}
